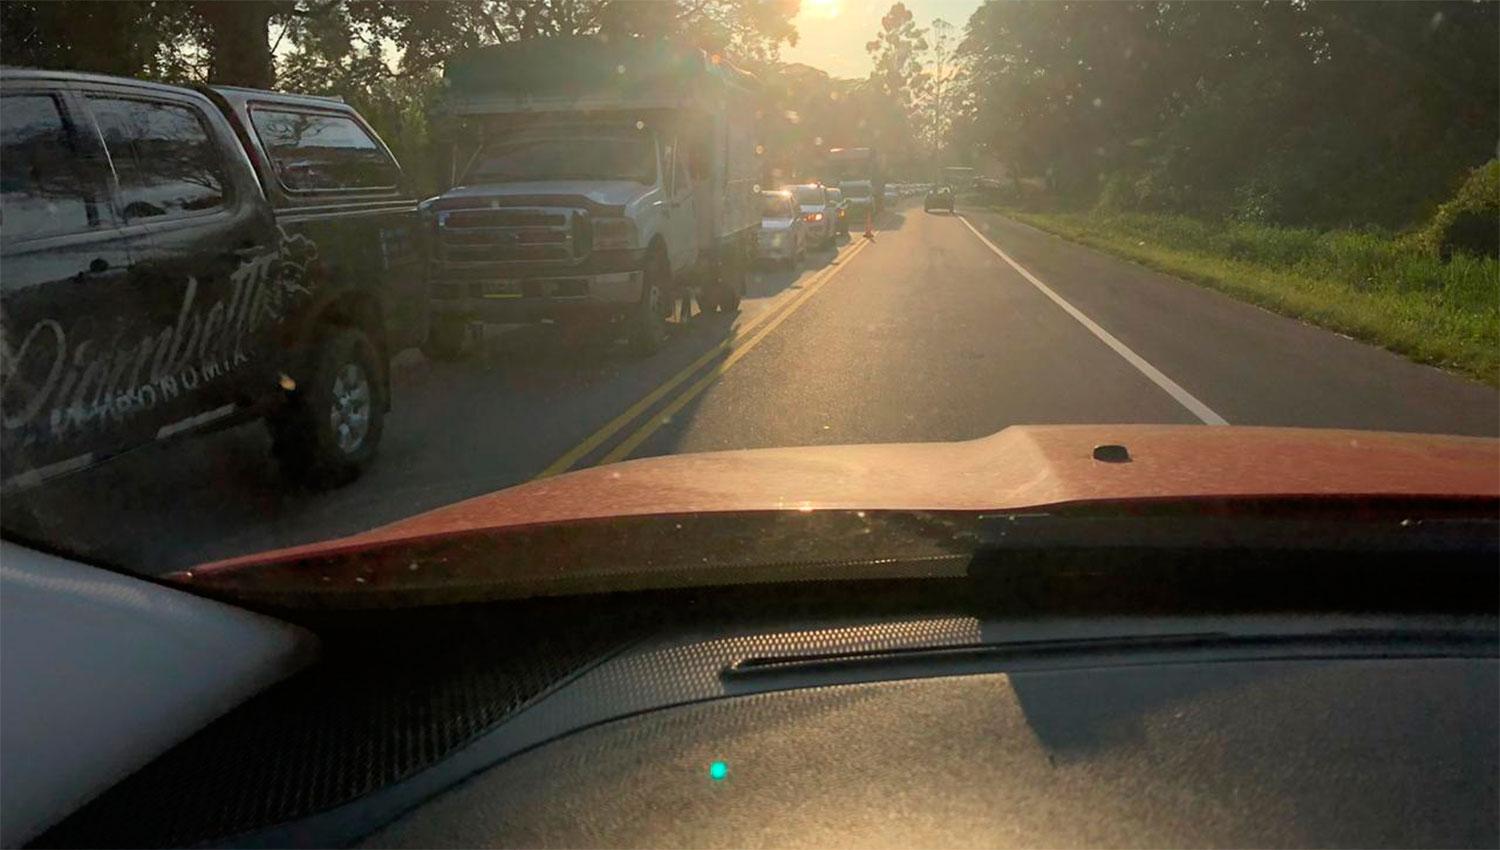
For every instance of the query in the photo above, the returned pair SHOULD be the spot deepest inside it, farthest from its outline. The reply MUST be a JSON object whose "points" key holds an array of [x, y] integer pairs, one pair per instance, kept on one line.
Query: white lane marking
{"points": [[32, 477], [181, 425], [1174, 389]]}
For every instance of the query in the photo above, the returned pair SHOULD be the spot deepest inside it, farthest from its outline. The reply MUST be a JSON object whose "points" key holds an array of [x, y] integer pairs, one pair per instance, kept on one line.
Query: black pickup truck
{"points": [[178, 260]]}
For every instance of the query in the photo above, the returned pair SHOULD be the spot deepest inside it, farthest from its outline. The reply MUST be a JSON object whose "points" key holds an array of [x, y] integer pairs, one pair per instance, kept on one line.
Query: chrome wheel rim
{"points": [[350, 413]]}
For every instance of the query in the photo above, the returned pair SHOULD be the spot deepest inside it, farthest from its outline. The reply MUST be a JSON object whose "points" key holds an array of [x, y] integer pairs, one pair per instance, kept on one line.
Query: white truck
{"points": [[594, 182]]}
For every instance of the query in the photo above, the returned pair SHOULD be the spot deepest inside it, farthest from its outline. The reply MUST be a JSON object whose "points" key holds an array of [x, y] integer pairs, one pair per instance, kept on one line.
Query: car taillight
{"points": [[614, 233], [813, 217]]}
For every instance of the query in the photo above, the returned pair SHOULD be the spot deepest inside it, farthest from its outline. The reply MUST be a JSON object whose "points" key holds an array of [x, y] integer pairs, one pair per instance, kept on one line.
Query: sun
{"points": [[820, 8]]}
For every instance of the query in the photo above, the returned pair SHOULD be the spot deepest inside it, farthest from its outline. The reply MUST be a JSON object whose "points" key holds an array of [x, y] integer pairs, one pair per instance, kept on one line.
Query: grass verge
{"points": [[1371, 285]]}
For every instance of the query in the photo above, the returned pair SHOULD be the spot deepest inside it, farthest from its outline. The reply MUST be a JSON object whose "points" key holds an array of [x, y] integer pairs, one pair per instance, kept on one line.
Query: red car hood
{"points": [[1017, 469]]}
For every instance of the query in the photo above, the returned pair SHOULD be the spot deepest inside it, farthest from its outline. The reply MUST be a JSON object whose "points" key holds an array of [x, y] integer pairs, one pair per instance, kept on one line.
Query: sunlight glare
{"points": [[820, 8]]}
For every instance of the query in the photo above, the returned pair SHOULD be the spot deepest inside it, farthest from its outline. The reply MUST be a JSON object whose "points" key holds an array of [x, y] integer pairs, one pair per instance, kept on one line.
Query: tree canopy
{"points": [[1308, 112]]}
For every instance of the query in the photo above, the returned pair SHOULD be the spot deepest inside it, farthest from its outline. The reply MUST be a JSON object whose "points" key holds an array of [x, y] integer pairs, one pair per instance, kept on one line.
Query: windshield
{"points": [[776, 206], [279, 273], [564, 159], [810, 195]]}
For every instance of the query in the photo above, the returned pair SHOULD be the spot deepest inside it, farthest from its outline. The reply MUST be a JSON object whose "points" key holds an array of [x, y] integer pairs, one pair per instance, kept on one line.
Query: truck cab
{"points": [[606, 191], [169, 270]]}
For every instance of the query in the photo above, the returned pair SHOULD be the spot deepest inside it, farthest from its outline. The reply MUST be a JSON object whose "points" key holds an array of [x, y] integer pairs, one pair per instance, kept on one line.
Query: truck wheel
{"points": [[709, 298], [649, 323], [732, 285], [447, 338], [329, 429]]}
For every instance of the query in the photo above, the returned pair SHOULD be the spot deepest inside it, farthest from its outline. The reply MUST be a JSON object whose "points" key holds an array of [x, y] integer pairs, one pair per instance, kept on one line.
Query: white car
{"points": [[817, 213], [782, 237]]}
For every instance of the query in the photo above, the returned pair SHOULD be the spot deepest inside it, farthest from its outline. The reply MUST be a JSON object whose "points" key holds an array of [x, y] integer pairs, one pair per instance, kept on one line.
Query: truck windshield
{"points": [[565, 159], [808, 195]]}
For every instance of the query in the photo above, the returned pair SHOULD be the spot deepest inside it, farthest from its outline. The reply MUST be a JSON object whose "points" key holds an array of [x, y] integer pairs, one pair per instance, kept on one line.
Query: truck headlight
{"points": [[615, 233]]}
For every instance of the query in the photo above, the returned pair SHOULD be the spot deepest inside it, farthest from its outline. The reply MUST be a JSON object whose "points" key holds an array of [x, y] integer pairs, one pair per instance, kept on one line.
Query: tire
{"points": [[648, 321], [330, 428], [708, 298], [731, 285], [447, 339]]}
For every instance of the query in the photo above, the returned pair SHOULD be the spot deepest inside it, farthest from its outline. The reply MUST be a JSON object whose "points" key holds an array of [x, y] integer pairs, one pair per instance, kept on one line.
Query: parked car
{"points": [[783, 235], [573, 208], [940, 198], [817, 213], [177, 261], [840, 211]]}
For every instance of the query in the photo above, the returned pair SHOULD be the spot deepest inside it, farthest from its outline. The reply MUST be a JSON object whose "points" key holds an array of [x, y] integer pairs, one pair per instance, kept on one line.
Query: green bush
{"points": [[1470, 222]]}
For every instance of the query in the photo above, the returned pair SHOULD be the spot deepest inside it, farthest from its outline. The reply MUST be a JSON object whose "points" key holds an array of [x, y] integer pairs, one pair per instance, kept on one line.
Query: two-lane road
{"points": [[945, 327]]}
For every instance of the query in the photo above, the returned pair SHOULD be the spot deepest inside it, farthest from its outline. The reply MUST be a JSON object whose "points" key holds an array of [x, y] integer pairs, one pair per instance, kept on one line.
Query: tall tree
{"points": [[897, 82], [941, 79]]}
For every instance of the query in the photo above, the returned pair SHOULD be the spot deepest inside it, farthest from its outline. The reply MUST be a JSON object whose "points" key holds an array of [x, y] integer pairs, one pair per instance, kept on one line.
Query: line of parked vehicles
{"points": [[178, 260]]}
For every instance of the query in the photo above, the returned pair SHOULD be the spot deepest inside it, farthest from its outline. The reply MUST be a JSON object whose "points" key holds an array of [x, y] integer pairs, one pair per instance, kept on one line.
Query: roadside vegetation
{"points": [[1369, 284], [1330, 161]]}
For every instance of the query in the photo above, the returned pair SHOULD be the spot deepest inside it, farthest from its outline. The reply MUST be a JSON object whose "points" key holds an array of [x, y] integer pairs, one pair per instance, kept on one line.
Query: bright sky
{"points": [[832, 33]]}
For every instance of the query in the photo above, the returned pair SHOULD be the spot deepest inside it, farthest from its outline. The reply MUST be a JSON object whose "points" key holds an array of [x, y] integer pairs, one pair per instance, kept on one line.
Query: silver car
{"points": [[817, 213], [783, 234]]}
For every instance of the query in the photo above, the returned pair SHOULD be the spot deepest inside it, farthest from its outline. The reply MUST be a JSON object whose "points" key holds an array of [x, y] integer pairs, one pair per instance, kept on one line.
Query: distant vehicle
{"points": [[579, 199], [959, 177], [179, 261], [783, 234], [940, 198], [859, 195], [855, 165], [841, 210], [816, 211]]}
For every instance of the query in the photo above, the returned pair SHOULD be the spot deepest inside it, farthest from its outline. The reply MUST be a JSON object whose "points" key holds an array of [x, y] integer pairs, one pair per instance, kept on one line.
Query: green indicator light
{"points": [[717, 771]]}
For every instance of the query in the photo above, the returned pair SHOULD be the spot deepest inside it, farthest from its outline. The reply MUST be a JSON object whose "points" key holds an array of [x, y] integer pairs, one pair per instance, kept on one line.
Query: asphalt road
{"points": [[944, 327]]}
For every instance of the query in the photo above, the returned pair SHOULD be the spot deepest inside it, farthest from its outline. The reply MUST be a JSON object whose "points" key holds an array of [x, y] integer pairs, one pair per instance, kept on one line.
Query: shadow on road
{"points": [[455, 430]]}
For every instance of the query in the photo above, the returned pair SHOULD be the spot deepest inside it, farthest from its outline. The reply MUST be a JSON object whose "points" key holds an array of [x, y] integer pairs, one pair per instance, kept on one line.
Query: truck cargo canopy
{"points": [[588, 73]]}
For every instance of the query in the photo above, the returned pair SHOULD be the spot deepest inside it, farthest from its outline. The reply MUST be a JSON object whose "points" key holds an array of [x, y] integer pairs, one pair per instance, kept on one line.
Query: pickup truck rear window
{"points": [[163, 156], [776, 206], [322, 152], [44, 188]]}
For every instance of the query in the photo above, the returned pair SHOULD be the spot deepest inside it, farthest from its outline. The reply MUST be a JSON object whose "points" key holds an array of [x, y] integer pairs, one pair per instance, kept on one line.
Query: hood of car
{"points": [[611, 193], [1019, 469]]}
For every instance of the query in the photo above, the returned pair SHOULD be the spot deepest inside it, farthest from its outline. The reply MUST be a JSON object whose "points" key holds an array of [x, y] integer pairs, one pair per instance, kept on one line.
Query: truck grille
{"points": [[522, 235]]}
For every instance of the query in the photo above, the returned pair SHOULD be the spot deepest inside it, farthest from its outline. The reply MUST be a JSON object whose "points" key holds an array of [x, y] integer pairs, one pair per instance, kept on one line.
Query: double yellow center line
{"points": [[745, 338]]}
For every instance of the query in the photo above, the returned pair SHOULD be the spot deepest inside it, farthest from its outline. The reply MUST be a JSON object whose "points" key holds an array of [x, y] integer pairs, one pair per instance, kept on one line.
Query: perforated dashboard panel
{"points": [[386, 704]]}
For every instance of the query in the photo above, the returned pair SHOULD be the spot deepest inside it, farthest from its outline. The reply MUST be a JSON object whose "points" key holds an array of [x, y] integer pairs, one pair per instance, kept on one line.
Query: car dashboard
{"points": [[859, 714]]}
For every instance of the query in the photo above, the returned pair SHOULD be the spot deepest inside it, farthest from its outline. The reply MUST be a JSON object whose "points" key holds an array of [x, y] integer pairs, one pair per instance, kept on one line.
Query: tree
{"points": [[1314, 112], [940, 59], [897, 82]]}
